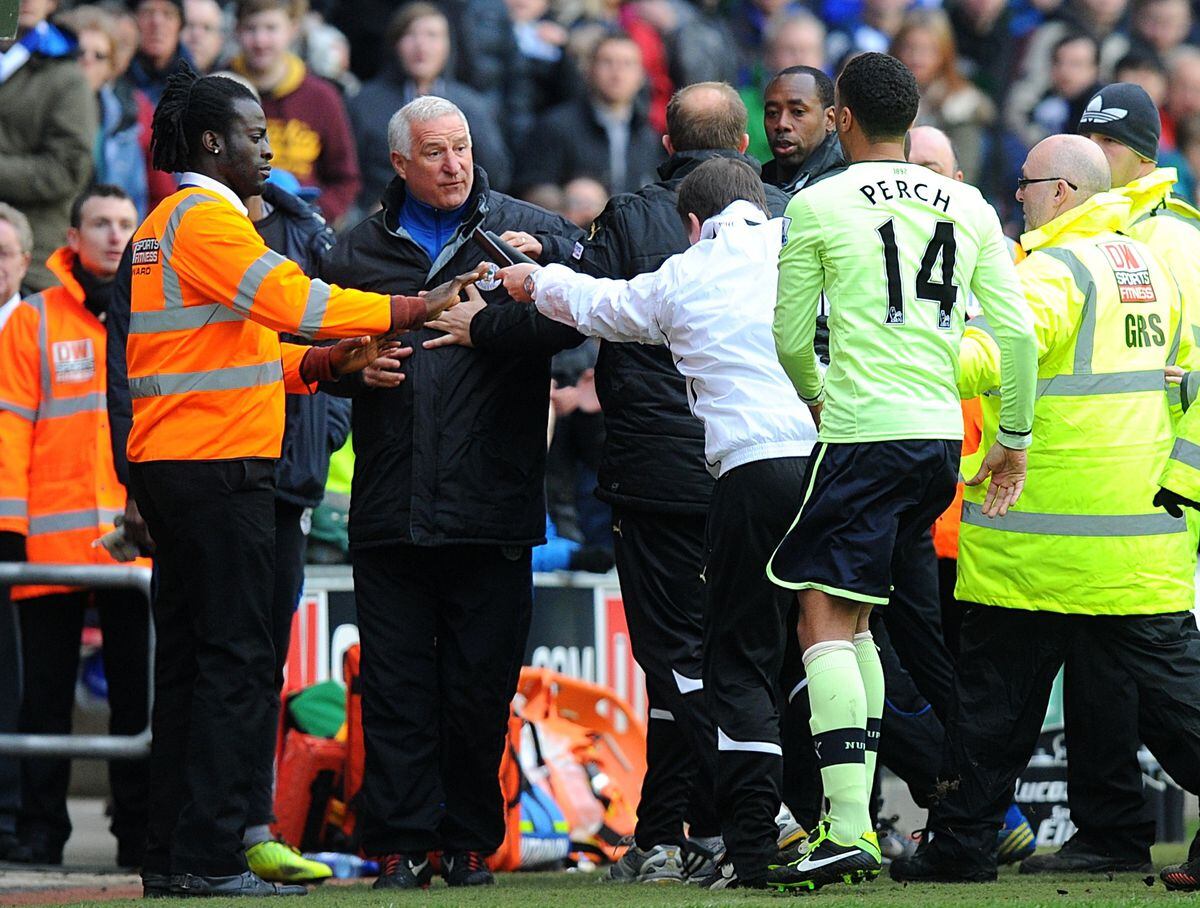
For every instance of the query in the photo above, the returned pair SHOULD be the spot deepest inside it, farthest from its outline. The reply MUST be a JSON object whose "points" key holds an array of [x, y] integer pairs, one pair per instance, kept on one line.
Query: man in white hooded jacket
{"points": [[713, 306]]}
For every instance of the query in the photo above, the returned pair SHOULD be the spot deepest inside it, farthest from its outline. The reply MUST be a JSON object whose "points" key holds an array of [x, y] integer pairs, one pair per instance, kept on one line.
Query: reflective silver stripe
{"points": [[93, 402], [70, 520], [1196, 333], [157, 321], [39, 304], [226, 379], [1173, 353], [1102, 383], [248, 286], [1159, 524], [1186, 453], [13, 507], [1085, 340], [1189, 388], [23, 412], [314, 311], [172, 295]]}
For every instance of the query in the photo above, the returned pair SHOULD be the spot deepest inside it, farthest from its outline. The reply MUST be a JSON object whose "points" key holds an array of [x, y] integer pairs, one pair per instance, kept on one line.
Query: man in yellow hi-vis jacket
{"points": [[1084, 549], [1114, 822]]}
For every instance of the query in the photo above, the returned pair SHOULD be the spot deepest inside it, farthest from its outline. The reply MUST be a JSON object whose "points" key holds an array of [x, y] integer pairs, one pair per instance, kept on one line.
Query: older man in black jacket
{"points": [[446, 503]]}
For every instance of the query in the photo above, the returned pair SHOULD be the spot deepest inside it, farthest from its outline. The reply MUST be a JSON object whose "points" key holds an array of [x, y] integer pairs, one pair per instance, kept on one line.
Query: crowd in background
{"points": [[566, 101]]}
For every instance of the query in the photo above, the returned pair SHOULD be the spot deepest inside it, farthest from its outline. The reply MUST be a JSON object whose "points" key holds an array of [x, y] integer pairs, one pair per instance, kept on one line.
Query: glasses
{"points": [[1027, 181]]}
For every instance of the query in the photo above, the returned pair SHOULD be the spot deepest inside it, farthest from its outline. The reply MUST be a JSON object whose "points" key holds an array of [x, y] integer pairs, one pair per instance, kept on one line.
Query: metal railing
{"points": [[95, 747]]}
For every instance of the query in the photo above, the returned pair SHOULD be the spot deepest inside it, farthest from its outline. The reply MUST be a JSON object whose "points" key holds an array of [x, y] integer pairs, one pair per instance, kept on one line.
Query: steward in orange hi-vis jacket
{"points": [[58, 487], [207, 374]]}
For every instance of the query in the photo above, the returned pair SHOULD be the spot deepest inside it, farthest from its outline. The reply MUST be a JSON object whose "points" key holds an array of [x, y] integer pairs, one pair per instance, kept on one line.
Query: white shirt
{"points": [[6, 310], [713, 306], [199, 180]]}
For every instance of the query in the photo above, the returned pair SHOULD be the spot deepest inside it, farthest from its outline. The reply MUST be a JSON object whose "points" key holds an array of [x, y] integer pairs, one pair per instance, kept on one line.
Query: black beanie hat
{"points": [[1123, 111]]}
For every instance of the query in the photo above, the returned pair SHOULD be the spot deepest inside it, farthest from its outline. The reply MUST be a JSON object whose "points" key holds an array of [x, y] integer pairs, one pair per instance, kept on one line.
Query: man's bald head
{"points": [[706, 115], [930, 147], [1061, 173]]}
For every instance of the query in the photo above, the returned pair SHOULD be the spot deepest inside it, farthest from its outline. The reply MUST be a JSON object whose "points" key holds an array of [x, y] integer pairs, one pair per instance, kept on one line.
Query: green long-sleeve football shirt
{"points": [[895, 248]]}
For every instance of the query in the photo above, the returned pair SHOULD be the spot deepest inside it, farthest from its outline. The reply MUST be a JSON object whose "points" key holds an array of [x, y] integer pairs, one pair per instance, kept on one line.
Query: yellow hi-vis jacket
{"points": [[1084, 537], [1171, 228]]}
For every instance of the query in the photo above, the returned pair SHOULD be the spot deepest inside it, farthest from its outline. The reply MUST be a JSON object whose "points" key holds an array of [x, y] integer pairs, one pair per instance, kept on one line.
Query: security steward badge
{"points": [[74, 361], [1131, 271]]}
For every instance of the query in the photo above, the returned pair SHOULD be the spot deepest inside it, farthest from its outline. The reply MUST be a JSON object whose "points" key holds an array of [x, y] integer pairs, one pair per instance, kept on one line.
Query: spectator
{"points": [[699, 46], [1146, 70], [983, 32], [56, 460], [159, 23], [126, 33], [1074, 79], [120, 154], [793, 38], [1099, 18], [752, 24], [1187, 142], [1183, 92], [47, 131], [925, 44], [604, 136], [16, 244], [484, 45], [306, 120], [419, 36], [449, 475], [204, 33], [874, 30], [327, 53], [1160, 26], [583, 200], [543, 74]]}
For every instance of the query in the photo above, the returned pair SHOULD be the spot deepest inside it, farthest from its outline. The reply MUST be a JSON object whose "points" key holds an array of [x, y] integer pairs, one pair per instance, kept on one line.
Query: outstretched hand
{"points": [[444, 296], [456, 323], [353, 354], [1006, 466], [384, 371]]}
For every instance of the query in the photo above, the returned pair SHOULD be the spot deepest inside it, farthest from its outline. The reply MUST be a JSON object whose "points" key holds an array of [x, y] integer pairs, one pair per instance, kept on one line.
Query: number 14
{"points": [[944, 293]]}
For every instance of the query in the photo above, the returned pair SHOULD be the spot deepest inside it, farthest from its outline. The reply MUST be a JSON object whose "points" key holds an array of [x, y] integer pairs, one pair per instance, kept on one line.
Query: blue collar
{"points": [[431, 227]]}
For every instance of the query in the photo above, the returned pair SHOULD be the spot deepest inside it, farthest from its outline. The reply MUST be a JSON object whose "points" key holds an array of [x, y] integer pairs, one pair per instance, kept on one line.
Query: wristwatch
{"points": [[529, 285]]}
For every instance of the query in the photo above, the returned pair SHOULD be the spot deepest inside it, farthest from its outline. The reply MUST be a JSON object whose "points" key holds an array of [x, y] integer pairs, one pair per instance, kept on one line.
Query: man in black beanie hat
{"points": [[1115, 826]]}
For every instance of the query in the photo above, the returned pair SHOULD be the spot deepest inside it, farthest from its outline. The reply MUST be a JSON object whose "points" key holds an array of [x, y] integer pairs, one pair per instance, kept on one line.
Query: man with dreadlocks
{"points": [[207, 377]]}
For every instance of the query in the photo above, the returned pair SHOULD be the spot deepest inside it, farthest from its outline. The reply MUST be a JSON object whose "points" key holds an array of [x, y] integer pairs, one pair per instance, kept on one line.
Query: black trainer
{"points": [[829, 861], [156, 885], [466, 868], [404, 871], [1078, 855], [243, 884], [936, 864], [724, 876]]}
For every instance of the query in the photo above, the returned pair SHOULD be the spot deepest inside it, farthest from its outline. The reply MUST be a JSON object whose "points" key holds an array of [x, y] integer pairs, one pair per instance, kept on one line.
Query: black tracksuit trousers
{"points": [[50, 628], [660, 562], [746, 628], [213, 524], [1006, 668], [443, 632]]}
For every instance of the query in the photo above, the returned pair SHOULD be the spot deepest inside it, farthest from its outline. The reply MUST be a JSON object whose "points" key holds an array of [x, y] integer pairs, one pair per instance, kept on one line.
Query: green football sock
{"points": [[871, 670], [838, 723]]}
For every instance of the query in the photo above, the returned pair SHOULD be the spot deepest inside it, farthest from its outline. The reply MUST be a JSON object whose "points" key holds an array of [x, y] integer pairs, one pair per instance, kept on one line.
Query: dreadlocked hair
{"points": [[191, 105]]}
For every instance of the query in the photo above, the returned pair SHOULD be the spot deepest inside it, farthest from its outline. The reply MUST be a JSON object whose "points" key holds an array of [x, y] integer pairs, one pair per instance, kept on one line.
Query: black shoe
{"points": [[1182, 877], [156, 886], [829, 861], [243, 884], [1080, 856], [404, 871], [934, 864], [467, 868], [724, 876], [37, 848]]}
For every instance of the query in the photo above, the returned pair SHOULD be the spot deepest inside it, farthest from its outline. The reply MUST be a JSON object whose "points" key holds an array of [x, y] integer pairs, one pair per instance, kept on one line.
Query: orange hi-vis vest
{"points": [[207, 371], [58, 487]]}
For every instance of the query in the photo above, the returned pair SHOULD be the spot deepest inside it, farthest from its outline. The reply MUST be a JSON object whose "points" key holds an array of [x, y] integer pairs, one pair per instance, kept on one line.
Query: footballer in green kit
{"points": [[895, 248]]}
